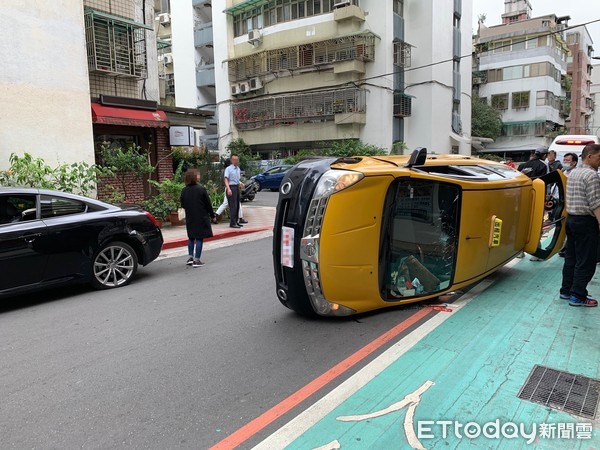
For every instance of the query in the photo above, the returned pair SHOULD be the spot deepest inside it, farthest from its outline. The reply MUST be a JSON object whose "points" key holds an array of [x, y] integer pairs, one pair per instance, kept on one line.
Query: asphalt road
{"points": [[181, 358], [264, 198]]}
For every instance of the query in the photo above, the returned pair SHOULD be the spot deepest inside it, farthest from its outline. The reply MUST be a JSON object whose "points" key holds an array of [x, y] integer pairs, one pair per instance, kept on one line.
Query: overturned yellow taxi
{"points": [[357, 234]]}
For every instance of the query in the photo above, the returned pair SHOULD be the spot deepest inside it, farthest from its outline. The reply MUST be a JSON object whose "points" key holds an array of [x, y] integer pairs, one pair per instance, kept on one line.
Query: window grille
{"points": [[402, 105], [345, 48], [115, 46], [402, 53], [316, 106]]}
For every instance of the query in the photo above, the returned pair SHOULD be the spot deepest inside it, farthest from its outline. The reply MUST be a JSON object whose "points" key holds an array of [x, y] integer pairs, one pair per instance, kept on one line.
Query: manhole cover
{"points": [[562, 390]]}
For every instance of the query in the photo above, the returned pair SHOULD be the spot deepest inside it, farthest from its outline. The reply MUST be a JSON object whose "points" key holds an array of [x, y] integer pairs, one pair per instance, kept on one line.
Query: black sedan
{"points": [[50, 238]]}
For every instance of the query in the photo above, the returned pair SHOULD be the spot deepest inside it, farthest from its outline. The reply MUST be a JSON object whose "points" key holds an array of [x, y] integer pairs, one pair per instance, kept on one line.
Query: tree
{"points": [[340, 149], [244, 152], [485, 120]]}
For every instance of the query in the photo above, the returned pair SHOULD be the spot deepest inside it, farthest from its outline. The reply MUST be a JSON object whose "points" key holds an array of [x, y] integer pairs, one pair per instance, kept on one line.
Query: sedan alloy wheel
{"points": [[114, 265]]}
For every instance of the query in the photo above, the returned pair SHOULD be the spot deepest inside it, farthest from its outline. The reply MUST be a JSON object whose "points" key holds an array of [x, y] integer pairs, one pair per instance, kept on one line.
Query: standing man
{"points": [[583, 206], [569, 163], [553, 163], [232, 189], [536, 166]]}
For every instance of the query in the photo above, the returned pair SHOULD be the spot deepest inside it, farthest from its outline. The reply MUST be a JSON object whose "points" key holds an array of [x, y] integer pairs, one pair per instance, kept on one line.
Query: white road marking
{"points": [[333, 445], [315, 413]]}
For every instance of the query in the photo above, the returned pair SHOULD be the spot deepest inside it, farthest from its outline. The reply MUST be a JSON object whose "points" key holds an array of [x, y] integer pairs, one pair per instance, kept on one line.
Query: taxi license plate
{"points": [[287, 247]]}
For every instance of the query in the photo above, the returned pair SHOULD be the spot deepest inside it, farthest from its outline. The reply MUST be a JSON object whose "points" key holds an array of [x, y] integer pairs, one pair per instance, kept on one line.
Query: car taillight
{"points": [[575, 142], [152, 218]]}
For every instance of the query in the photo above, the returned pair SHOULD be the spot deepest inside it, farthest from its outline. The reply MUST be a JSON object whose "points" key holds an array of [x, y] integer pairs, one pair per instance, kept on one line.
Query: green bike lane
{"points": [[466, 366]]}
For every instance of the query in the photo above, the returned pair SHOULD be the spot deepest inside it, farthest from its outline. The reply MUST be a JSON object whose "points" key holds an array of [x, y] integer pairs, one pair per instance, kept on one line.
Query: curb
{"points": [[182, 242]]}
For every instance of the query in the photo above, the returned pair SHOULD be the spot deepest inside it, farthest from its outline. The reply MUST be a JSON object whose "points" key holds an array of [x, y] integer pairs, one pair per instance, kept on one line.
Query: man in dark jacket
{"points": [[536, 166], [198, 214]]}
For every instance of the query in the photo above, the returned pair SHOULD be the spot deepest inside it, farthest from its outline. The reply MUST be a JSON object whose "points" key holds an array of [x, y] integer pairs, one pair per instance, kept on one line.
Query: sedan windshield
{"points": [[419, 238]]}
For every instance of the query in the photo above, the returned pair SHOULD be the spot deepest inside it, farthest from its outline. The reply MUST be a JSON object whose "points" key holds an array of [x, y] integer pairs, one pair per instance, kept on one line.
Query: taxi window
{"points": [[420, 238]]}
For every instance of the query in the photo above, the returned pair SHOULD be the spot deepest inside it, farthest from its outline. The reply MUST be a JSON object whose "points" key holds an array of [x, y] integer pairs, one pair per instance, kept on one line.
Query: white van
{"points": [[571, 143]]}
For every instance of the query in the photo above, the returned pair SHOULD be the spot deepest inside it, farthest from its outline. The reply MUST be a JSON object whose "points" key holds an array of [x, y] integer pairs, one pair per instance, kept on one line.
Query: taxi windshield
{"points": [[419, 238]]}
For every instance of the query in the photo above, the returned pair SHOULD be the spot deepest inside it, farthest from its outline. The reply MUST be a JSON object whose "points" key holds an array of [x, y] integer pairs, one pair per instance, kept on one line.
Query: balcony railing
{"points": [[289, 109], [205, 76], [203, 37], [309, 56]]}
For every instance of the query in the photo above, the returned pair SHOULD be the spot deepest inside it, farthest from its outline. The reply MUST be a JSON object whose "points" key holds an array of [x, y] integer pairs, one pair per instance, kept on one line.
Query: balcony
{"points": [[342, 106], [205, 76], [456, 45], [352, 66], [203, 37], [456, 85], [306, 57], [115, 46], [349, 13], [402, 105], [456, 123], [458, 8]]}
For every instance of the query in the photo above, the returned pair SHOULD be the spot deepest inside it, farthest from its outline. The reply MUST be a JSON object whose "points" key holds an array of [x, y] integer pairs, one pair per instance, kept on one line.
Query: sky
{"points": [[581, 11]]}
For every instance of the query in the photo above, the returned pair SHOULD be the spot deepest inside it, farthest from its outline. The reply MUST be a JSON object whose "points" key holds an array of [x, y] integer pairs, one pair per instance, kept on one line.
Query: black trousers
{"points": [[234, 204], [580, 255]]}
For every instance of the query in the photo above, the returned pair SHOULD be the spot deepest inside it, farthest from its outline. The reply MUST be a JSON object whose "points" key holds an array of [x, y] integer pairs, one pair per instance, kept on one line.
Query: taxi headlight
{"points": [[334, 181]]}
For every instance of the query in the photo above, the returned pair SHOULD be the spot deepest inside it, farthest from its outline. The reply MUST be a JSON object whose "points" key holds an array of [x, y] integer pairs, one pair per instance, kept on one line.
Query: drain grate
{"points": [[562, 390]]}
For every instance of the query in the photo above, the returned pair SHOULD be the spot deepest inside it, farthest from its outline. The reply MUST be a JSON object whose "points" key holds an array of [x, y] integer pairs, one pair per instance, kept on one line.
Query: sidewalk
{"points": [[260, 218], [470, 368]]}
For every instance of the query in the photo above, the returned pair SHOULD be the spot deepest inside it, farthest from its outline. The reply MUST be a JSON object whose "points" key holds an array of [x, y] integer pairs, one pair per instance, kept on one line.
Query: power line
{"points": [[470, 54]]}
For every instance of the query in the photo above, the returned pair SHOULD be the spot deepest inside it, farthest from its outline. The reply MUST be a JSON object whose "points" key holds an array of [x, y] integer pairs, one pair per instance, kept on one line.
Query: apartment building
{"points": [[186, 71], [521, 70], [595, 93], [123, 82], [293, 74], [44, 85], [579, 68]]}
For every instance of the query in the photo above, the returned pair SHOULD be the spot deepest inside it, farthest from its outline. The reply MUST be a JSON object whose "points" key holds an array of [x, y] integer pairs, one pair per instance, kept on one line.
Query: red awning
{"points": [[129, 117]]}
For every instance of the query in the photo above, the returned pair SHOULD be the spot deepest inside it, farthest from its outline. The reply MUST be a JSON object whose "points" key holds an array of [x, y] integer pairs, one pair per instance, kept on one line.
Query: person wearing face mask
{"points": [[569, 163], [583, 226]]}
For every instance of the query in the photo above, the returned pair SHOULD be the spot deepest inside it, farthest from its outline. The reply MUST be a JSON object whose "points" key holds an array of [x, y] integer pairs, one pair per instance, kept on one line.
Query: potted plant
{"points": [[170, 189], [159, 207]]}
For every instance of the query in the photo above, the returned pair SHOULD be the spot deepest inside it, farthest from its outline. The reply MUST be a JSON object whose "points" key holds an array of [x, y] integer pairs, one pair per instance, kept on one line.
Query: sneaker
{"points": [[568, 297], [198, 263], [241, 221], [590, 302], [214, 220], [235, 226], [534, 258], [190, 261]]}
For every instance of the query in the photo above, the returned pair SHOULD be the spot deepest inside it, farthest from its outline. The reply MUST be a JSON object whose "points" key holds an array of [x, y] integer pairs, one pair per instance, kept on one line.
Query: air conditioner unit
{"points": [[244, 87], [254, 36], [340, 3], [235, 89], [255, 83], [167, 58], [477, 80], [164, 19]]}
